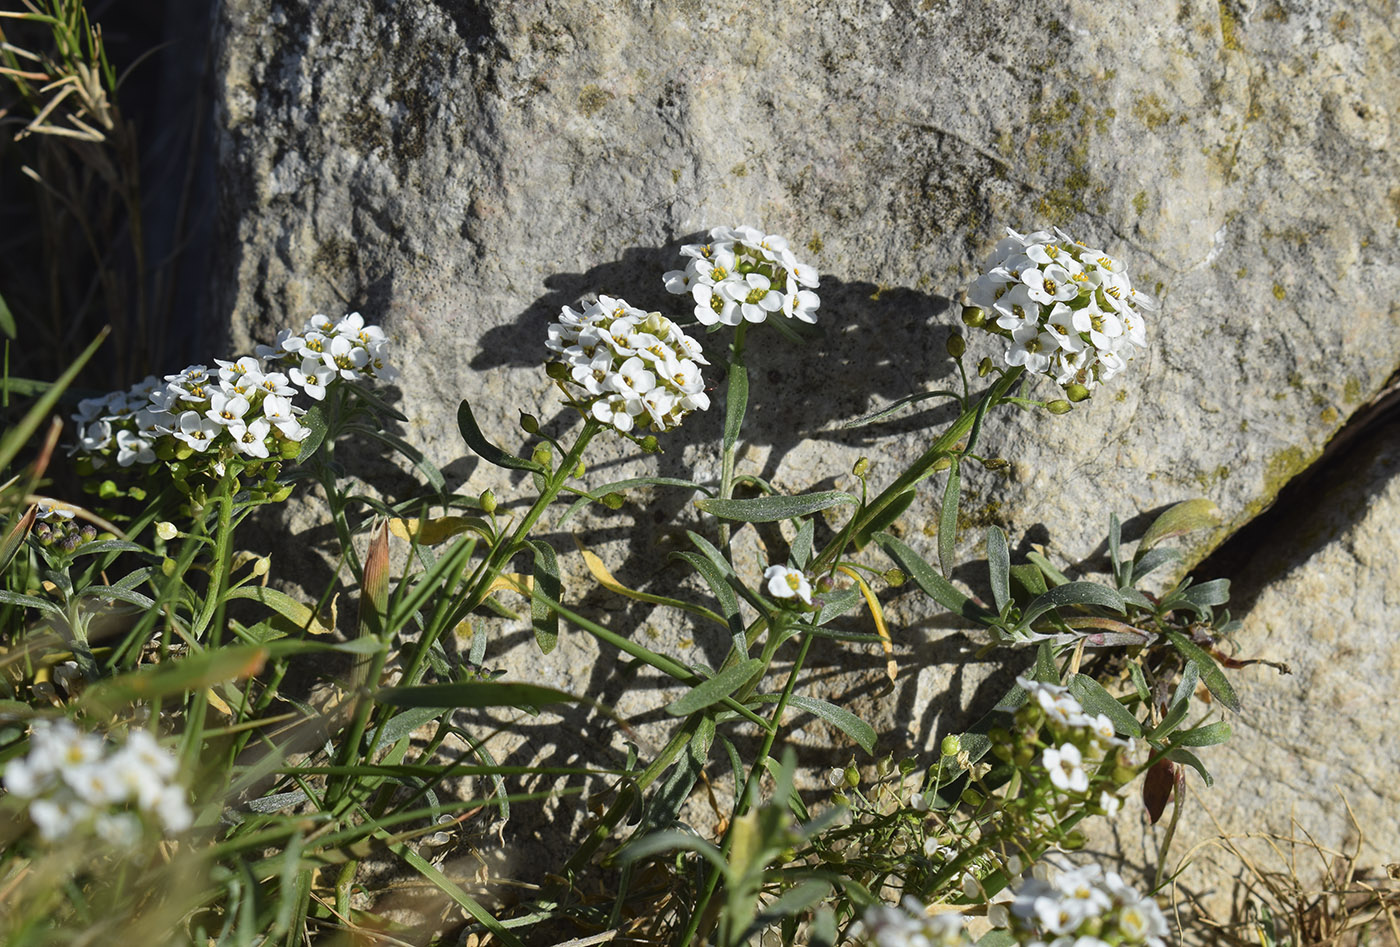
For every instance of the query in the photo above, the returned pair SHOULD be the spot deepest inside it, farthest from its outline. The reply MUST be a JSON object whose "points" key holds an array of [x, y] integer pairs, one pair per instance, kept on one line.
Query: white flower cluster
{"points": [[1085, 907], [1066, 311], [1088, 734], [632, 367], [743, 275], [242, 408], [909, 925], [76, 782]]}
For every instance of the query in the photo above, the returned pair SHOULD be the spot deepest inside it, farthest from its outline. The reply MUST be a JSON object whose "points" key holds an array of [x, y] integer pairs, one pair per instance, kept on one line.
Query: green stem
{"points": [[213, 612], [736, 400], [916, 471], [750, 791]]}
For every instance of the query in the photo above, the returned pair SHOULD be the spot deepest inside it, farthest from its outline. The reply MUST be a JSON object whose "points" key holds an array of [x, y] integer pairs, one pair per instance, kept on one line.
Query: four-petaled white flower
{"points": [[788, 583], [1066, 768]]}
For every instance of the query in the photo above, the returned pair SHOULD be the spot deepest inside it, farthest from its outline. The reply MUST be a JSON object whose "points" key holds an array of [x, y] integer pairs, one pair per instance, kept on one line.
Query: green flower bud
{"points": [[1059, 406], [862, 467], [942, 463], [984, 367], [951, 745], [557, 370], [580, 469], [973, 317], [613, 501], [543, 455], [894, 577], [956, 344], [851, 777], [487, 501], [1073, 841], [1076, 393], [529, 423], [651, 445]]}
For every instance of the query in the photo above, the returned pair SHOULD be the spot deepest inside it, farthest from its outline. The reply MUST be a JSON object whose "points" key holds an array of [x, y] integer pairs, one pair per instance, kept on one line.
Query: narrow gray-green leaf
{"points": [[927, 578], [999, 564], [802, 544], [772, 509], [894, 406], [839, 717], [736, 402], [948, 521], [1211, 674], [1184, 517], [544, 619], [476, 694], [1094, 699], [471, 433], [712, 690], [1074, 593], [1208, 735], [1179, 754]]}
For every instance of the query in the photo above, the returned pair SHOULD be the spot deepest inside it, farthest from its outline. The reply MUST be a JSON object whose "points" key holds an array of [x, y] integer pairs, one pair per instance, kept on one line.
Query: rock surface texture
{"points": [[459, 170]]}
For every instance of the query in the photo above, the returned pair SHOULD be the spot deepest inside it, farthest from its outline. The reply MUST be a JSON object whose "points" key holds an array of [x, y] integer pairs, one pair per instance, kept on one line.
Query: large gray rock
{"points": [[459, 170]]}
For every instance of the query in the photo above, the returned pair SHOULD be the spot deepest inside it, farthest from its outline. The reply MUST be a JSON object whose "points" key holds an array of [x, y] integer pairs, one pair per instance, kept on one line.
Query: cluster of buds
{"points": [[743, 275], [77, 782], [244, 409], [625, 367], [1085, 907], [54, 528], [1065, 311]]}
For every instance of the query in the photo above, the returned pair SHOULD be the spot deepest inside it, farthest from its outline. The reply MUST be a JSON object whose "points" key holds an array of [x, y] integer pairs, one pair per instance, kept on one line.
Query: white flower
{"points": [[226, 409], [133, 449], [196, 430], [1066, 768], [743, 275], [313, 376], [251, 439], [909, 925], [788, 583]]}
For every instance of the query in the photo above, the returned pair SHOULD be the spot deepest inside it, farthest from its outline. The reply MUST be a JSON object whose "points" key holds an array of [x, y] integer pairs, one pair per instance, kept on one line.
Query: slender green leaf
{"points": [[999, 563], [882, 520], [1179, 754], [1121, 576], [1052, 575], [1184, 517], [839, 717], [1208, 735], [545, 619], [724, 594], [477, 694], [617, 486], [315, 420], [1046, 670], [1094, 699], [283, 604], [7, 320], [837, 603], [671, 840], [1170, 721], [712, 690], [948, 520], [431, 474], [772, 509], [894, 406], [791, 903], [16, 437], [1139, 682], [1186, 687], [926, 578], [29, 601], [1210, 671], [471, 433], [401, 725], [736, 402], [1153, 560], [802, 544], [1030, 578], [1208, 594], [1074, 593], [108, 545], [676, 787]]}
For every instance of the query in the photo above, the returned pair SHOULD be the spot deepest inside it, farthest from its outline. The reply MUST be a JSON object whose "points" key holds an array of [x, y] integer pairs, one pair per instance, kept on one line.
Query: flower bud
{"points": [[862, 467], [558, 371], [894, 577], [1059, 406], [650, 444], [580, 469], [88, 532], [825, 584], [942, 463], [261, 565], [487, 500], [543, 455], [529, 423], [1076, 393], [951, 745], [1073, 841], [956, 345], [973, 317], [984, 367], [166, 531], [851, 777]]}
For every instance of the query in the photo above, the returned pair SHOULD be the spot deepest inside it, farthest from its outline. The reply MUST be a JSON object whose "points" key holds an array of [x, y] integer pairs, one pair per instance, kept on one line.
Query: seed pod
{"points": [[956, 345]]}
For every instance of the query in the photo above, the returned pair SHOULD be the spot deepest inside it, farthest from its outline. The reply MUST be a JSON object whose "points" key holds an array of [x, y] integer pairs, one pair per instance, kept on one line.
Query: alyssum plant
{"points": [[287, 801]]}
